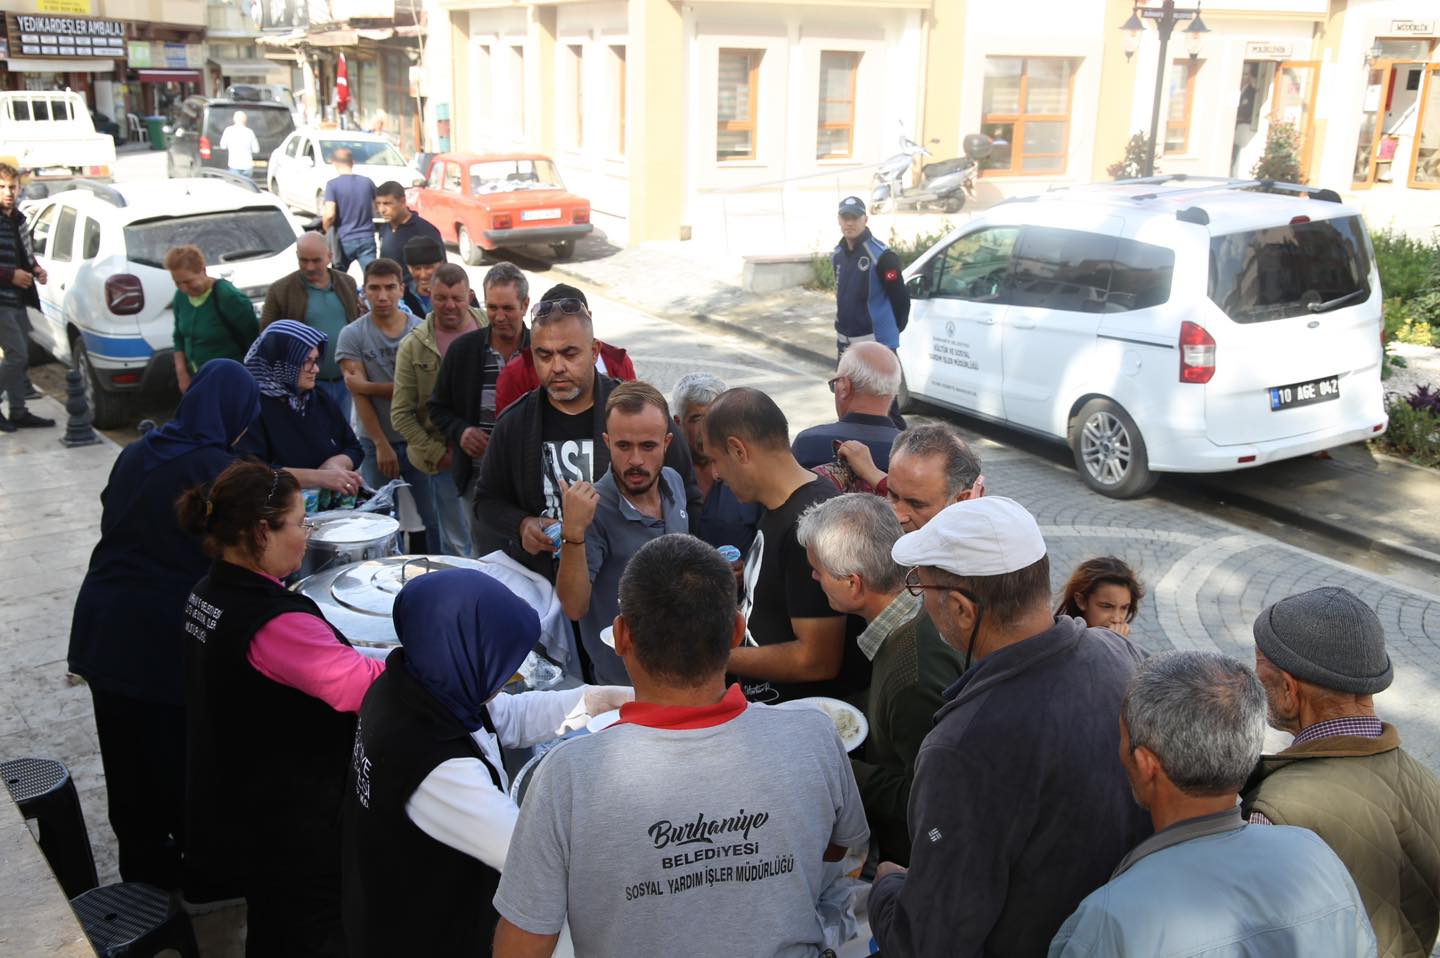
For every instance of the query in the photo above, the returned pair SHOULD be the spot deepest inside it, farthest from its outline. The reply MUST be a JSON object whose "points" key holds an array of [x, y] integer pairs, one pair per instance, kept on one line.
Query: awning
{"points": [[87, 65], [169, 76], [251, 68]]}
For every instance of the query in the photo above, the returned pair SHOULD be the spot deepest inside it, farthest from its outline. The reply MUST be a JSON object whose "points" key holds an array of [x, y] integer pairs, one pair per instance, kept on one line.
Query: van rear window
{"points": [[222, 237], [270, 123], [1293, 270]]}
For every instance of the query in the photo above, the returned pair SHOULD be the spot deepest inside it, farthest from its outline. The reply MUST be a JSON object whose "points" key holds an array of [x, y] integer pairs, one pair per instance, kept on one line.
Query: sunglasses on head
{"points": [[569, 306]]}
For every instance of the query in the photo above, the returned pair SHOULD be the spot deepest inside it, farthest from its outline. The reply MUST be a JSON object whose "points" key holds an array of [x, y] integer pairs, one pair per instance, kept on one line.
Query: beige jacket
{"points": [[417, 366]]}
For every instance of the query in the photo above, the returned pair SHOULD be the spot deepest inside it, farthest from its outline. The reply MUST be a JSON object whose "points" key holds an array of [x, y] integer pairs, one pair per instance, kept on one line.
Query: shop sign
{"points": [[58, 37], [138, 53], [1412, 28], [81, 7], [1268, 50]]}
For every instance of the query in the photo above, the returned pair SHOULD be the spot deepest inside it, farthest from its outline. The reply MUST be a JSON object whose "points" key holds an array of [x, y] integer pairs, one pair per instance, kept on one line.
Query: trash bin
{"points": [[156, 127]]}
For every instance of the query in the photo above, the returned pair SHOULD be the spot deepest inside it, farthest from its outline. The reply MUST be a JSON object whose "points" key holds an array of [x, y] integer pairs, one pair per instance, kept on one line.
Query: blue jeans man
{"points": [[358, 249], [447, 530]]}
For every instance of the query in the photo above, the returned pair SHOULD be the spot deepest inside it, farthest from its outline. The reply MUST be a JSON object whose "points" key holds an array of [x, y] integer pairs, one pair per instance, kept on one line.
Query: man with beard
{"points": [[606, 523], [552, 436]]}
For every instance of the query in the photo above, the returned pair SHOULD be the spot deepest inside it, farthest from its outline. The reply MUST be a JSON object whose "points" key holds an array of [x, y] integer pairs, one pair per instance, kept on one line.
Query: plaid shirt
{"points": [[901, 609], [1362, 726]]}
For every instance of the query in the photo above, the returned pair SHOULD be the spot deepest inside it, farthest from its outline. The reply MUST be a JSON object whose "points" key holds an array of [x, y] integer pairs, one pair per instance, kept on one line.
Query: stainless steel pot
{"points": [[341, 538]]}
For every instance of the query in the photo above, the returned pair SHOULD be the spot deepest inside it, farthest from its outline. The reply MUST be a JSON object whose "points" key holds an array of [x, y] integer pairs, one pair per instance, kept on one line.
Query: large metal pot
{"points": [[341, 538], [358, 599]]}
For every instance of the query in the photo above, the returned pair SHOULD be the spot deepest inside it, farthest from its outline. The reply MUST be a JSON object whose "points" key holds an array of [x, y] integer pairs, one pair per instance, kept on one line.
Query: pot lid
{"points": [[371, 586], [340, 528]]}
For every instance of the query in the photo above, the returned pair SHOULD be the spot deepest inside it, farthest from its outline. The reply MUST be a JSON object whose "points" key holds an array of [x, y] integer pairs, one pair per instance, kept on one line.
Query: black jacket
{"points": [[455, 405], [1020, 781], [17, 251], [511, 488]]}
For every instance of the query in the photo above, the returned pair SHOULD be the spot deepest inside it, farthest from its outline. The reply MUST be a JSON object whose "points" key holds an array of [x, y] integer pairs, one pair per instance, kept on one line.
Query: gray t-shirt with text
{"points": [[660, 841], [364, 341]]}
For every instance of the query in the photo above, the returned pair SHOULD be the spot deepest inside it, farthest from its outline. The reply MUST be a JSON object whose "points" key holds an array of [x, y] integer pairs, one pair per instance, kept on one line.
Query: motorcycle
{"points": [[944, 186]]}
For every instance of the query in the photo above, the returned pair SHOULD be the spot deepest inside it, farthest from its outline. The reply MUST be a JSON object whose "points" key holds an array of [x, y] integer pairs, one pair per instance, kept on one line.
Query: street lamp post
{"points": [[1165, 17]]}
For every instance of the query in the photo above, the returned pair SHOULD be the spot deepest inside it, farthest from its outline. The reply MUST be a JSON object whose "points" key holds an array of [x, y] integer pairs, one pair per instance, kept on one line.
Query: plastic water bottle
{"points": [[553, 531], [729, 553]]}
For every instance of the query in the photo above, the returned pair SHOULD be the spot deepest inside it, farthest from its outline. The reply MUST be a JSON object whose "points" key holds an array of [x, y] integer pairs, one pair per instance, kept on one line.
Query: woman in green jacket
{"points": [[213, 319]]}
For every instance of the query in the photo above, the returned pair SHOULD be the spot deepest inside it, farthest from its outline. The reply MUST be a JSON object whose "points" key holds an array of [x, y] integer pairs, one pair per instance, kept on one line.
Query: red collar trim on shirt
{"points": [[682, 717]]}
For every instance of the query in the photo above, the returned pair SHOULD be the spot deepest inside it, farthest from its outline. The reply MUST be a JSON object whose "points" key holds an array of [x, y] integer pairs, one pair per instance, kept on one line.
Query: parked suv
{"points": [[193, 142], [1165, 325], [108, 298]]}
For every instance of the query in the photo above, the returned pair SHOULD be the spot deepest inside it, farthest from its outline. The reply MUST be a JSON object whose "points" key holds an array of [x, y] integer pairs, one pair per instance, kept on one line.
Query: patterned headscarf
{"points": [[276, 358]]}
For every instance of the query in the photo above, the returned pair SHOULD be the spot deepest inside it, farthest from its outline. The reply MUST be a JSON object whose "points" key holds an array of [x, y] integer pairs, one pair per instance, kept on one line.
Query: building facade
{"points": [[742, 123]]}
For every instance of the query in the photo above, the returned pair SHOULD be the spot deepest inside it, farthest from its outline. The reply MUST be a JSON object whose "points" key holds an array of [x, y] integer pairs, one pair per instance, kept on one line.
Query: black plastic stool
{"points": [[135, 920], [44, 791]]}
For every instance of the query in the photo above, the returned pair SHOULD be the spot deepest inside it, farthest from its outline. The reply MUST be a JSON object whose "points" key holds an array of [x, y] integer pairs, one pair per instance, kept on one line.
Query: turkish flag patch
{"points": [[891, 275]]}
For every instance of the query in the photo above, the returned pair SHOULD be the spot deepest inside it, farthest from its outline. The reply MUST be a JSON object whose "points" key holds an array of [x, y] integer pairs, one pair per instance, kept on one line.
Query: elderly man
{"points": [[322, 298], [848, 541], [724, 519], [1019, 809], [1206, 883], [1321, 656], [864, 385], [553, 437], [931, 466], [605, 524], [240, 145], [796, 645], [417, 366], [696, 825], [463, 403]]}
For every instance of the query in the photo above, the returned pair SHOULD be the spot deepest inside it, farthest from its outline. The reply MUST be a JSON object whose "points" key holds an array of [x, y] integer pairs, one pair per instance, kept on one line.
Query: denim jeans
{"points": [[454, 522], [337, 391], [419, 481], [361, 250], [13, 369]]}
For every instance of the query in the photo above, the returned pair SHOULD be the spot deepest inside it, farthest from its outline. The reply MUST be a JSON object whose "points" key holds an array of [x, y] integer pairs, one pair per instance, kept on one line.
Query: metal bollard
{"points": [[77, 426]]}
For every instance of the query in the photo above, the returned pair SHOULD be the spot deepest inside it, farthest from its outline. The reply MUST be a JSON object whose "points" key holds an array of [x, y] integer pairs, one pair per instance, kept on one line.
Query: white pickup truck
{"points": [[50, 134]]}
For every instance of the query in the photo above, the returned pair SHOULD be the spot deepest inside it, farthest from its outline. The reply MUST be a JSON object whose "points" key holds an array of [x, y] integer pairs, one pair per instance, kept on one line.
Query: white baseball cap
{"points": [[987, 536]]}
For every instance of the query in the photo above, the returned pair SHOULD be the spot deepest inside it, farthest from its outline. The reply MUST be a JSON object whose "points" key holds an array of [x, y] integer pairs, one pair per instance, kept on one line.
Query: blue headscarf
{"points": [[276, 358], [220, 404], [464, 635]]}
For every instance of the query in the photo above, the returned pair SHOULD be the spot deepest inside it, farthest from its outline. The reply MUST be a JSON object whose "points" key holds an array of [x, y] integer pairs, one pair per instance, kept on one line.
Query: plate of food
{"points": [[849, 721], [604, 720]]}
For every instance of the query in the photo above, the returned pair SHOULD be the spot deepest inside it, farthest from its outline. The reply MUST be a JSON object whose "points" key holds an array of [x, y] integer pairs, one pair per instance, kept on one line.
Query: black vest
{"points": [[266, 762], [404, 893]]}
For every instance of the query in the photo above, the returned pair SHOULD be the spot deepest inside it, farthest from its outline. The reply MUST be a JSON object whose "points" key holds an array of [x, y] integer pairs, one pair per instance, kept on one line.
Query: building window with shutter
{"points": [[835, 137], [737, 102]]}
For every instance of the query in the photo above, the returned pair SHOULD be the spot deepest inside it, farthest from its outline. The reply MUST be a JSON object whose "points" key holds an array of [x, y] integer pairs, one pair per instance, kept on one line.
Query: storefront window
{"points": [[1391, 120], [1427, 138], [1182, 102], [1026, 105]]}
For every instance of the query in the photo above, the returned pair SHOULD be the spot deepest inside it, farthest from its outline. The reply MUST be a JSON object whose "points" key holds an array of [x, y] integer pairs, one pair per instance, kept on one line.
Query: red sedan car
{"points": [[481, 202]]}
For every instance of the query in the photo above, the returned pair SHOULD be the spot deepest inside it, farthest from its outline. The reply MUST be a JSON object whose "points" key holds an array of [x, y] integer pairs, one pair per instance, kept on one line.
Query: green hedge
{"points": [[1408, 266], [908, 252]]}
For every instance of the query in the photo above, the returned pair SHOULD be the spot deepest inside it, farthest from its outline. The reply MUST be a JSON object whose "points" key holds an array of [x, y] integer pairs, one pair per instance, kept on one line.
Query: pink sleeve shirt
{"points": [[299, 650]]}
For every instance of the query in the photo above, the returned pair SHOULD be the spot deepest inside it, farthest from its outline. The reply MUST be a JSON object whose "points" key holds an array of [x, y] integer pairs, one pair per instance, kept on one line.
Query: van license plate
{"points": [[1304, 394]]}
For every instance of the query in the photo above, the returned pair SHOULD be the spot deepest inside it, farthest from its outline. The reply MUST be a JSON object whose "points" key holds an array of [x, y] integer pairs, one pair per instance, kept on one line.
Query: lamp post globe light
{"points": [[1166, 16]]}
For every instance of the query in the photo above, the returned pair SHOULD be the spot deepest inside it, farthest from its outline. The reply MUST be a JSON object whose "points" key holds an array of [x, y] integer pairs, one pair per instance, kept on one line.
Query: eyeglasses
{"points": [[915, 587], [310, 364], [832, 381], [307, 525], [570, 306]]}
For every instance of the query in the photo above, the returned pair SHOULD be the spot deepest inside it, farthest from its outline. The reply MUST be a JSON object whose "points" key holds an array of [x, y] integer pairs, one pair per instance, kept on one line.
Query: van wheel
{"points": [[1110, 452], [469, 252], [108, 410]]}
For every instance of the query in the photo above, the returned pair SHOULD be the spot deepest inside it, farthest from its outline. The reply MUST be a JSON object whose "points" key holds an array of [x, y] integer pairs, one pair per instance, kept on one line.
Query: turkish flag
{"points": [[342, 86]]}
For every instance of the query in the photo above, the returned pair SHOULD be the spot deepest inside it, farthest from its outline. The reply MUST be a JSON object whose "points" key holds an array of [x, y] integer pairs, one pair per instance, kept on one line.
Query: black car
{"points": [[194, 139]]}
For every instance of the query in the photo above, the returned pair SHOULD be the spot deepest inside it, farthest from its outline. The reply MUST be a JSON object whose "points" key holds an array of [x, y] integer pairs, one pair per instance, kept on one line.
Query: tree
{"points": [[1281, 160], [1133, 164]]}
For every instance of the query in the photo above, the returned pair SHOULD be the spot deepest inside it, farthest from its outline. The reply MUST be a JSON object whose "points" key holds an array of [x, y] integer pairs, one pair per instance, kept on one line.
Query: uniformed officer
{"points": [[871, 302]]}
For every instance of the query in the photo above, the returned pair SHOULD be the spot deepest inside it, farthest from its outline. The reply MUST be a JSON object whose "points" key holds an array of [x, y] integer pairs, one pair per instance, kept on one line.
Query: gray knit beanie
{"points": [[1328, 637]]}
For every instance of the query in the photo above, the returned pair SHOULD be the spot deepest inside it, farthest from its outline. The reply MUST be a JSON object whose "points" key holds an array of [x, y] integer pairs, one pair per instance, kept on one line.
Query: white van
{"points": [[51, 134], [1164, 325]]}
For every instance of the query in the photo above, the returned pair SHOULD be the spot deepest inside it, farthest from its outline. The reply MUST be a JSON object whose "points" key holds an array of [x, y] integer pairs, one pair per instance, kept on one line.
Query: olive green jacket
{"points": [[1379, 810], [417, 367]]}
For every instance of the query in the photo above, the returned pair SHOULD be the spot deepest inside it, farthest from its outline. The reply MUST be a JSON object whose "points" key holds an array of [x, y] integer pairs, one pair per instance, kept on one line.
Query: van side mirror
{"points": [[918, 286]]}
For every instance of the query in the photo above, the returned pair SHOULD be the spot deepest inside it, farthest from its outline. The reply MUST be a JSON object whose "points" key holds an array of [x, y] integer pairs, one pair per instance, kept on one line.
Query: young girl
{"points": [[1105, 592]]}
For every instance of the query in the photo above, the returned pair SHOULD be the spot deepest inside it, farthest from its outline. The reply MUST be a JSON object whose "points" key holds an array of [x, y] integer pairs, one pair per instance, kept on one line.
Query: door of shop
{"points": [[1293, 102], [1390, 128]]}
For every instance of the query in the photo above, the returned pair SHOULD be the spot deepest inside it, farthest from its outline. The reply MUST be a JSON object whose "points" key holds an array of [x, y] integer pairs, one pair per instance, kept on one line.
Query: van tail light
{"points": [[124, 295], [501, 221], [1197, 353], [581, 216], [204, 147], [126, 379], [97, 171]]}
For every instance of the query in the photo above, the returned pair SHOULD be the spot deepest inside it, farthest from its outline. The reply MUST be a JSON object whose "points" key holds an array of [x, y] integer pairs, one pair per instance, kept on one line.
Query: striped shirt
{"points": [[1362, 726]]}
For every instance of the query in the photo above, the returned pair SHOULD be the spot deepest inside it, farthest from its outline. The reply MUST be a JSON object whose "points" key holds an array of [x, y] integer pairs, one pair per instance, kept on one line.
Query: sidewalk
{"points": [[1369, 500], [49, 523]]}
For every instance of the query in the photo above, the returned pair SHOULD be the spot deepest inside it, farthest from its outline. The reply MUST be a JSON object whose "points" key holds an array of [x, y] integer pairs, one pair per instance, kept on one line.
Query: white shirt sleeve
{"points": [[458, 805], [532, 717]]}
